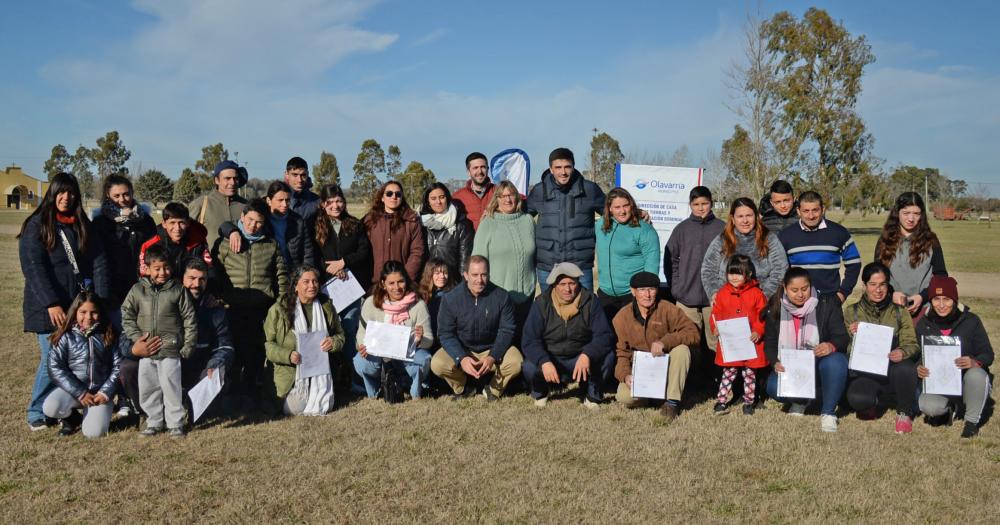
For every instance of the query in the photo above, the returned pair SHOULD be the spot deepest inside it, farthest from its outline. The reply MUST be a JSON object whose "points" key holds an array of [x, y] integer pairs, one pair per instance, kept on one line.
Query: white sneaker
{"points": [[796, 409], [828, 423], [541, 402], [124, 411], [587, 403]]}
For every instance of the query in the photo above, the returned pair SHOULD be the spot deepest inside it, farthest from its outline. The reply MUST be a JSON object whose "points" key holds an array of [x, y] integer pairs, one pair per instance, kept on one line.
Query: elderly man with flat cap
{"points": [[649, 324], [566, 336]]}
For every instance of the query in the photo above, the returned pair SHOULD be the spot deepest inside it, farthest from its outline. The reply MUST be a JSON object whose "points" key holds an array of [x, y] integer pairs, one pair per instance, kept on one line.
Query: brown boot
{"points": [[669, 412]]}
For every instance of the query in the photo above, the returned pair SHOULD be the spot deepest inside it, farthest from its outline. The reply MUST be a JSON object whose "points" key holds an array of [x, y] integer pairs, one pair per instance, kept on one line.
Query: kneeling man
{"points": [[653, 325], [476, 330], [567, 335]]}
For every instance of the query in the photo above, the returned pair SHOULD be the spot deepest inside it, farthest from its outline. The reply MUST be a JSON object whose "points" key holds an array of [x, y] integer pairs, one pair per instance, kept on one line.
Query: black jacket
{"points": [[545, 333], [48, 275], [967, 327], [772, 219], [467, 323], [829, 321], [298, 237], [354, 248], [452, 246], [122, 242], [565, 228]]}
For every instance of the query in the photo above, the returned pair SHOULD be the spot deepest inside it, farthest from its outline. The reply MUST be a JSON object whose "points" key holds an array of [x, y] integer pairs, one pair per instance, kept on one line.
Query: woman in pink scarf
{"points": [[394, 300], [798, 319]]}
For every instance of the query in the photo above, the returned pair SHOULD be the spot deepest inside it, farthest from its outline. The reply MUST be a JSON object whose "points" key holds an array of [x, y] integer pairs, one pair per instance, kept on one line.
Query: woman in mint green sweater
{"points": [[506, 237], [625, 246]]}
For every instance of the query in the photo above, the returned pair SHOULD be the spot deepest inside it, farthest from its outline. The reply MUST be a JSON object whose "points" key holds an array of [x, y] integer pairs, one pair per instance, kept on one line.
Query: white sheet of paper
{"points": [[798, 381], [872, 344], [388, 340], [343, 293], [314, 361], [649, 375], [736, 343], [204, 392], [945, 378]]}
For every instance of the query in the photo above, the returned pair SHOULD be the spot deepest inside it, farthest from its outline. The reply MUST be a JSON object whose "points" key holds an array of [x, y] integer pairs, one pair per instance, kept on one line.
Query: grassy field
{"points": [[436, 460]]}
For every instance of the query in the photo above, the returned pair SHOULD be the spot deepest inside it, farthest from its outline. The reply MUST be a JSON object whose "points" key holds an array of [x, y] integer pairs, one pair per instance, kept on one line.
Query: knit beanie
{"points": [[943, 285]]}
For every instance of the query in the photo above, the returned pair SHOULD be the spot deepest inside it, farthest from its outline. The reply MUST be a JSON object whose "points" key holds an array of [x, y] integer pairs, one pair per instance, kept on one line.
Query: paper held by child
{"points": [[872, 344], [649, 375], [735, 337]]}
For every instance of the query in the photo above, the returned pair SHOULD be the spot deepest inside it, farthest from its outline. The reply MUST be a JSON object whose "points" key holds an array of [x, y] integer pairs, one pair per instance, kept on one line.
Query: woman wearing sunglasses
{"points": [[394, 230]]}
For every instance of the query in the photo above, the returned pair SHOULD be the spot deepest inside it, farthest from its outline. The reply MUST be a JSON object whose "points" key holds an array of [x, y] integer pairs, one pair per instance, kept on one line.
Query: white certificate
{"points": [[203, 393], [872, 344], [343, 293], [945, 378], [313, 360], [736, 343], [388, 340], [649, 375], [798, 381]]}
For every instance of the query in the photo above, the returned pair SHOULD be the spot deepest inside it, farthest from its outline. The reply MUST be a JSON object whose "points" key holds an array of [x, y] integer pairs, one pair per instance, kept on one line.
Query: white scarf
{"points": [[318, 391], [441, 221]]}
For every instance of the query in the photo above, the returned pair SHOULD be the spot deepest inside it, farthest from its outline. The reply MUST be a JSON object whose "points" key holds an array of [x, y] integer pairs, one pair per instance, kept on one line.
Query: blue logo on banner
{"points": [[640, 184]]}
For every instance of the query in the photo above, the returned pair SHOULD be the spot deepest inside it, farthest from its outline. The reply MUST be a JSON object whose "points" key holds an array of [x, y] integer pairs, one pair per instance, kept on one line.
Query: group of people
{"points": [[128, 310]]}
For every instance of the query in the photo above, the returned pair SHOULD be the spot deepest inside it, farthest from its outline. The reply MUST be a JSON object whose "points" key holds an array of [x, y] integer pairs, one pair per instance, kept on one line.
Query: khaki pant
{"points": [[445, 367], [677, 370], [700, 317]]}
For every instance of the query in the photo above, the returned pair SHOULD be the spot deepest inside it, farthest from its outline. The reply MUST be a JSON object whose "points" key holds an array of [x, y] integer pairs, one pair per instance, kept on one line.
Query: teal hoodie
{"points": [[624, 251]]}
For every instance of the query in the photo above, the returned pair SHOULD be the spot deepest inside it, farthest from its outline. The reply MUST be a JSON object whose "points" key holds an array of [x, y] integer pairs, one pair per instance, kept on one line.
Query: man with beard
{"points": [[478, 189]]}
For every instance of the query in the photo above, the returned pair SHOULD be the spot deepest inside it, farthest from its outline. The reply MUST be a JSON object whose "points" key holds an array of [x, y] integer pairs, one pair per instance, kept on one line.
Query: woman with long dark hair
{"points": [[121, 226], [59, 258], [395, 300], [911, 252], [745, 234], [447, 232], [394, 230]]}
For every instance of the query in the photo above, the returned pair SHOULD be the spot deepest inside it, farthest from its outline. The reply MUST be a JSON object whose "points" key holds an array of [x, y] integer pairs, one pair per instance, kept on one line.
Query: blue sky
{"points": [[440, 79]]}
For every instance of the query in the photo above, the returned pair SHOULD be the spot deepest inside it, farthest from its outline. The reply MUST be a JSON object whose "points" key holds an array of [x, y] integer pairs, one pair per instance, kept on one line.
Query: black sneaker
{"points": [[720, 409], [748, 409], [71, 424], [38, 425], [970, 430]]}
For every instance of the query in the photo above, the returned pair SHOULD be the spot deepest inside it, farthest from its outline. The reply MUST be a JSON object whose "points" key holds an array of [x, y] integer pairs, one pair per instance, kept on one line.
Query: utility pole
{"points": [[927, 201]]}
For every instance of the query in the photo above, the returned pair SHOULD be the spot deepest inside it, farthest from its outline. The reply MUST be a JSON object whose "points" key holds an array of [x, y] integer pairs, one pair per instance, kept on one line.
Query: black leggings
{"points": [[867, 391]]}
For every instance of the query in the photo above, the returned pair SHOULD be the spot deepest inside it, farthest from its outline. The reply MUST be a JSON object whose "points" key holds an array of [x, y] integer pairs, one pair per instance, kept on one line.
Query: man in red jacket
{"points": [[478, 189]]}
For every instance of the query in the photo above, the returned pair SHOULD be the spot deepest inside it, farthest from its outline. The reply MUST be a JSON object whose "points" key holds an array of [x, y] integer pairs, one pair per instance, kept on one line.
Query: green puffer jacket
{"points": [[165, 311], [904, 336], [253, 278], [279, 342]]}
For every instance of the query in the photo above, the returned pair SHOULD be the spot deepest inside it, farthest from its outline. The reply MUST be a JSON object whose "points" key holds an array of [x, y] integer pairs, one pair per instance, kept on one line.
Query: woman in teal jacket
{"points": [[626, 245]]}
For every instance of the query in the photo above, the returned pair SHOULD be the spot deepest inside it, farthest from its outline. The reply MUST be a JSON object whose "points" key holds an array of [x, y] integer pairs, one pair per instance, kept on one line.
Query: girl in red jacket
{"points": [[740, 297]]}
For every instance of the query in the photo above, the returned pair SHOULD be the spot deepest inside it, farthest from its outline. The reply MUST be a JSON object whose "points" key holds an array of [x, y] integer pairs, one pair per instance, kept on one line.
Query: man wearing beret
{"points": [[567, 335], [649, 324], [222, 204]]}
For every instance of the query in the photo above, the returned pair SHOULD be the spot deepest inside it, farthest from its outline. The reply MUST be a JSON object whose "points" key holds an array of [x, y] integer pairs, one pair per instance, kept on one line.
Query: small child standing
{"points": [[741, 296], [158, 306]]}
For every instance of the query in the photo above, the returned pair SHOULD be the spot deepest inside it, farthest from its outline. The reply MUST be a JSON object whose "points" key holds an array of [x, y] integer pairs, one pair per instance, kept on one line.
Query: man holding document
{"points": [[476, 330], [567, 334], [946, 324], [658, 328]]}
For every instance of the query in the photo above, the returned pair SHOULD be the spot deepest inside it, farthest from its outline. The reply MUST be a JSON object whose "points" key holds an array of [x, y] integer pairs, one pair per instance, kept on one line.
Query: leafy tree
{"points": [[327, 171], [393, 162], [211, 156], [681, 157], [110, 155], [188, 186], [82, 161], [818, 70], [605, 152], [911, 178], [60, 161], [370, 162], [415, 180], [154, 186], [255, 188]]}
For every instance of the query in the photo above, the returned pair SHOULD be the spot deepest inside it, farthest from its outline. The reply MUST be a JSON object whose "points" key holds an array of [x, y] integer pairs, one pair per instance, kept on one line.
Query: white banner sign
{"points": [[663, 192]]}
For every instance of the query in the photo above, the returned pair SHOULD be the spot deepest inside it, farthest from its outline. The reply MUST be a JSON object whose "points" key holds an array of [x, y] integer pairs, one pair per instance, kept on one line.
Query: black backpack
{"points": [[392, 382]]}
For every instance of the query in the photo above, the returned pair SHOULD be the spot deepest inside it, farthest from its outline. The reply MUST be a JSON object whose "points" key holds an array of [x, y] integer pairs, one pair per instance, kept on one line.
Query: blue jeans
{"points": [[831, 377], [350, 318], [370, 369], [586, 280], [564, 366], [43, 384]]}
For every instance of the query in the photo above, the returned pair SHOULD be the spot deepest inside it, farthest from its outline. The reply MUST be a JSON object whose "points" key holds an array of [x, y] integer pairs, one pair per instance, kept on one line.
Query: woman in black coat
{"points": [[59, 257], [121, 226], [447, 232]]}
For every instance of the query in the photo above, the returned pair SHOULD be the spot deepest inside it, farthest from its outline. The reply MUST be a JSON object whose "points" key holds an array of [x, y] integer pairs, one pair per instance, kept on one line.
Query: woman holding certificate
{"points": [[394, 301], [866, 391], [798, 320], [302, 333], [947, 323]]}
